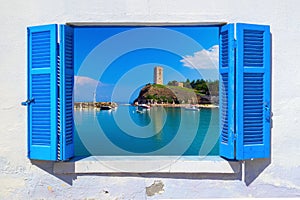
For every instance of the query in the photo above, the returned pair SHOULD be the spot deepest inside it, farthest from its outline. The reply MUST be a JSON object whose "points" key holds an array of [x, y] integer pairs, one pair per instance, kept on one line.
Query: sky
{"points": [[116, 62]]}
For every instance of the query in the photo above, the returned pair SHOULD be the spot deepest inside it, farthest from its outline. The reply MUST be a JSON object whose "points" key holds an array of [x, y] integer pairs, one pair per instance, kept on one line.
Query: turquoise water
{"points": [[158, 131]]}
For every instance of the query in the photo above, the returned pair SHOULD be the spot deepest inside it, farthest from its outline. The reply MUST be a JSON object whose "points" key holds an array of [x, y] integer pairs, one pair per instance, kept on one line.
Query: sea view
{"points": [[166, 76], [124, 131]]}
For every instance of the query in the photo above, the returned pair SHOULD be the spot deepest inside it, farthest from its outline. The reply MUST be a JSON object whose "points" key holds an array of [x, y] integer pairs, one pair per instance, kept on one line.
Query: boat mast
{"points": [[94, 97]]}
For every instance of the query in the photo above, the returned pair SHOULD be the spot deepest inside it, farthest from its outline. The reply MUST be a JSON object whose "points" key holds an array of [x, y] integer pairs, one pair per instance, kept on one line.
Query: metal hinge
{"points": [[235, 44], [57, 48], [234, 135]]}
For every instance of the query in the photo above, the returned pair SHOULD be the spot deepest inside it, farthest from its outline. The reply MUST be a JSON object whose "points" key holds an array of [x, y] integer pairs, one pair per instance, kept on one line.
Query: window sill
{"points": [[148, 164]]}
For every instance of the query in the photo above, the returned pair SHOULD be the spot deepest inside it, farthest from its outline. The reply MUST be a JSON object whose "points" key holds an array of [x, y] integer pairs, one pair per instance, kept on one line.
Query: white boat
{"points": [[143, 106], [192, 108]]}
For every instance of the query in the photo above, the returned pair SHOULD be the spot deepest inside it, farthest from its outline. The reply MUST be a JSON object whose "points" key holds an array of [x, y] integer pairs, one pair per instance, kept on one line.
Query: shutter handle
{"points": [[26, 103]]}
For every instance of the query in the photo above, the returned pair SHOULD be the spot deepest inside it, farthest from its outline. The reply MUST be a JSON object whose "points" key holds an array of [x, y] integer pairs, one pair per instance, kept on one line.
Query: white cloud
{"points": [[83, 80], [84, 88], [204, 59]]}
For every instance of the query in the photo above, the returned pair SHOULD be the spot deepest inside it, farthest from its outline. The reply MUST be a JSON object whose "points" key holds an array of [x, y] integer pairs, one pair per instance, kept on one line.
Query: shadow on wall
{"points": [[253, 168], [47, 166]]}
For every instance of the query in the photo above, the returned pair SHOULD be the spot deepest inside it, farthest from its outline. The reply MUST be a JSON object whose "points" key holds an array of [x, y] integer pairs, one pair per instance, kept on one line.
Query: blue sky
{"points": [[183, 52]]}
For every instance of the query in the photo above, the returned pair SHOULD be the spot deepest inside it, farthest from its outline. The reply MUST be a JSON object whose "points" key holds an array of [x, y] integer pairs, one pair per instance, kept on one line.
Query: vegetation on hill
{"points": [[197, 91], [200, 86]]}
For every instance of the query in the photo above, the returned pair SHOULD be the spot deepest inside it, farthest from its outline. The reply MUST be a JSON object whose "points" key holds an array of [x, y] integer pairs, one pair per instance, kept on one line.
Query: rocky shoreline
{"points": [[160, 94], [184, 105], [80, 105]]}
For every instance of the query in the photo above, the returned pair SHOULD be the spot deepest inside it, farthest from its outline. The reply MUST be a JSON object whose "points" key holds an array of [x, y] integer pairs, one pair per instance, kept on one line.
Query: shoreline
{"points": [[186, 105], [97, 105]]}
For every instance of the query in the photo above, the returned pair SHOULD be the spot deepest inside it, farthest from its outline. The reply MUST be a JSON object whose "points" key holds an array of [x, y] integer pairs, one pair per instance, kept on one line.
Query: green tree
{"points": [[187, 83], [172, 83]]}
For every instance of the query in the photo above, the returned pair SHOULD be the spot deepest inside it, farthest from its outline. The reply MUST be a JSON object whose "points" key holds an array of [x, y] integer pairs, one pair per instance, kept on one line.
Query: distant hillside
{"points": [[200, 86], [154, 93]]}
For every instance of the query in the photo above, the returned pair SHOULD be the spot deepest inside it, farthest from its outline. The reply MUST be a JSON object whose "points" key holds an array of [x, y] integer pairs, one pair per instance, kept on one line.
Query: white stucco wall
{"points": [[19, 179]]}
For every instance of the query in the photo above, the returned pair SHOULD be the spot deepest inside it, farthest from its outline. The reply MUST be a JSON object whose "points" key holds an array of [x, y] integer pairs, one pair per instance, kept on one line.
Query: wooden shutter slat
{"points": [[226, 88], [253, 91], [42, 77], [66, 93]]}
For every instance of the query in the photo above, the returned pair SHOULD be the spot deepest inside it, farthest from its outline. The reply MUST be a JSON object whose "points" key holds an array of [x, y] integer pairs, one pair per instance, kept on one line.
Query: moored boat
{"points": [[192, 108], [143, 106], [105, 107]]}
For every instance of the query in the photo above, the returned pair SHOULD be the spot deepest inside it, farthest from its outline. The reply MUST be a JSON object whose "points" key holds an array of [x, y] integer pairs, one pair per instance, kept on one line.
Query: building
{"points": [[179, 84], [279, 176], [158, 75]]}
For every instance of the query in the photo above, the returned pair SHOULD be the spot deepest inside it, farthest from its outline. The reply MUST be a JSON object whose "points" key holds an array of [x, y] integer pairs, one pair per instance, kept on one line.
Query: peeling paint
{"points": [[156, 188]]}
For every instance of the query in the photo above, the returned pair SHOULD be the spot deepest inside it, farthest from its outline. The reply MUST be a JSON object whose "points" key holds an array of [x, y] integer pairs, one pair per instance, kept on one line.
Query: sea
{"points": [[158, 131]]}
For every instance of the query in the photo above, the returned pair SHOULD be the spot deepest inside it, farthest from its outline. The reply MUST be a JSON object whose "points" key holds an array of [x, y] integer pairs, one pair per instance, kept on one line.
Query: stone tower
{"points": [[158, 75]]}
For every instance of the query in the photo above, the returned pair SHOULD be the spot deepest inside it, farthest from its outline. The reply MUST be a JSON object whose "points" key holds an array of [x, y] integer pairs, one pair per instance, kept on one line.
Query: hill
{"points": [[154, 93]]}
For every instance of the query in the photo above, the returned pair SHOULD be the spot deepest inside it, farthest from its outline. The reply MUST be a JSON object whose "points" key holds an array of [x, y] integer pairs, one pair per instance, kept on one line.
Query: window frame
{"points": [[79, 24]]}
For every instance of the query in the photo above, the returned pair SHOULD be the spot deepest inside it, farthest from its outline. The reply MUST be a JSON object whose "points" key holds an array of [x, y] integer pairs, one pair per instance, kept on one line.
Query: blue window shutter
{"points": [[66, 68], [253, 91], [227, 91], [42, 92]]}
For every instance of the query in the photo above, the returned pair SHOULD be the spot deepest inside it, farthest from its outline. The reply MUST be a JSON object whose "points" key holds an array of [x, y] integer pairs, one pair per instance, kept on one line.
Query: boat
{"points": [[105, 107], [192, 108], [143, 106]]}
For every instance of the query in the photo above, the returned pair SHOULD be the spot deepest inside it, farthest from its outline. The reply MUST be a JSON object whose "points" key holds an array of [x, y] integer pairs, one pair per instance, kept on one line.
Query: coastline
{"points": [[186, 105], [80, 105]]}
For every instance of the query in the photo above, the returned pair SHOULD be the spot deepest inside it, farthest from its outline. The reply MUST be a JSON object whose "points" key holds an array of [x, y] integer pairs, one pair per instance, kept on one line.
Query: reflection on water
{"points": [[158, 118], [157, 131]]}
